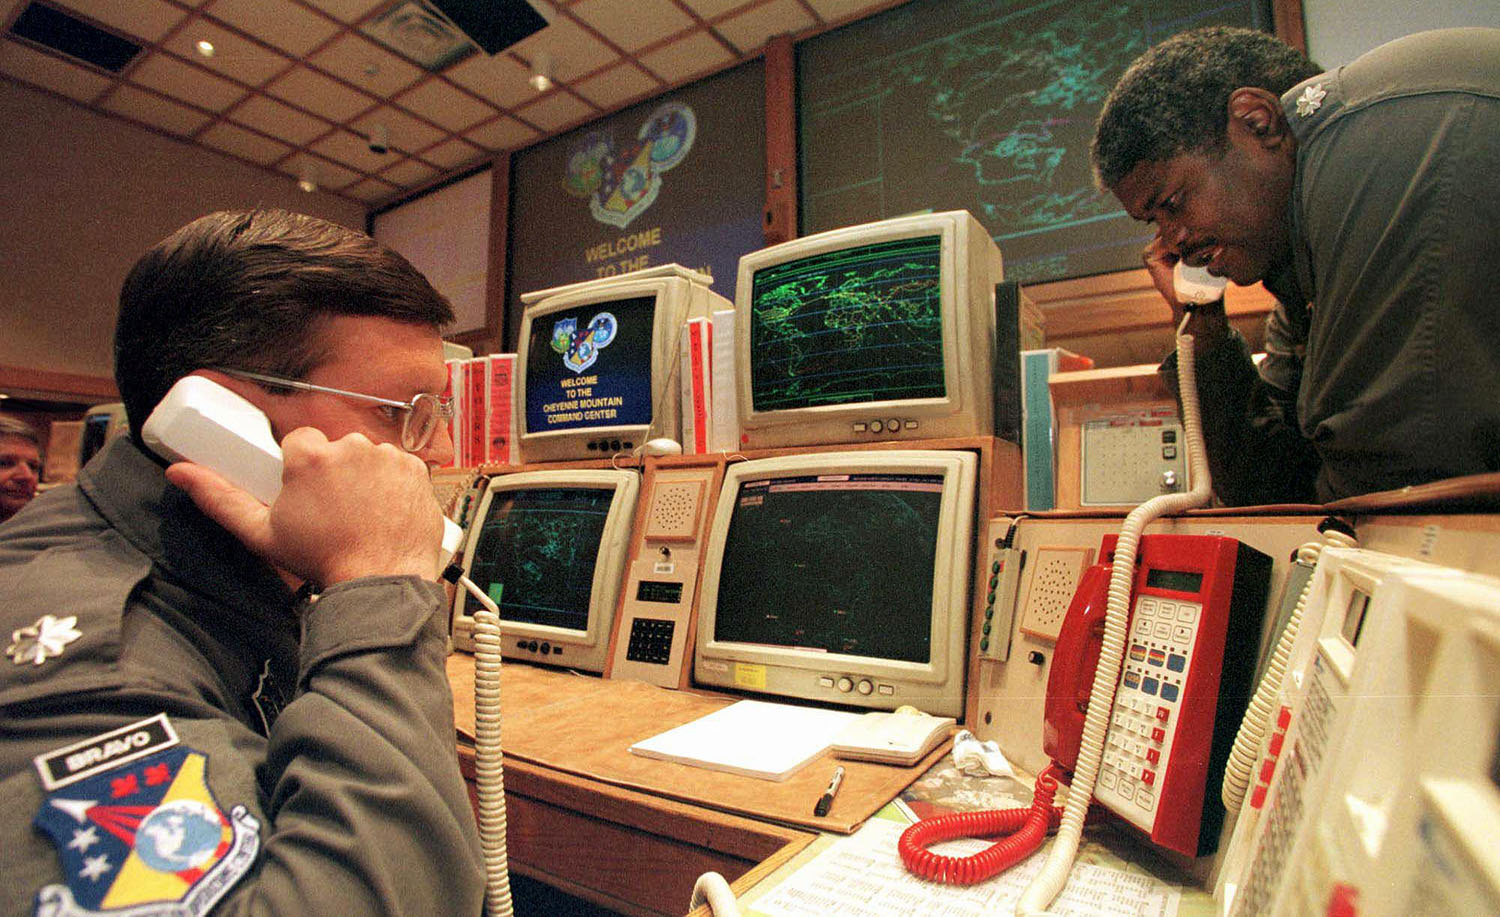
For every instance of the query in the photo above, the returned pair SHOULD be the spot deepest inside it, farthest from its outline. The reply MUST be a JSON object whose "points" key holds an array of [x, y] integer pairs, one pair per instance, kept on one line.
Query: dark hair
{"points": [[1174, 98], [248, 289]]}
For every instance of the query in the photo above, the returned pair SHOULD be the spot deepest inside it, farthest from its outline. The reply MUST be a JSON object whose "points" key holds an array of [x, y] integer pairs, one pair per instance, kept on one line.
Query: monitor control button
{"points": [[846, 684], [865, 687]]}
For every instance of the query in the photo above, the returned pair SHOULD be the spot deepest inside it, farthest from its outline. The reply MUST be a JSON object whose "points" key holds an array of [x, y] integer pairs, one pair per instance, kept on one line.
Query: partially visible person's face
{"points": [[1227, 213], [372, 356], [20, 470]]}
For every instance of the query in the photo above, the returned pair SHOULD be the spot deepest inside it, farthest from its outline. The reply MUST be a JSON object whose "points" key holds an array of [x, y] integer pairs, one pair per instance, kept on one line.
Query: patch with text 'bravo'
{"points": [[137, 829]]}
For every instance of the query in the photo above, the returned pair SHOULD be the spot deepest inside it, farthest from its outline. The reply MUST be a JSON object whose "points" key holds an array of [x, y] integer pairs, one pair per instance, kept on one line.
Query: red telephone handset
{"points": [[1196, 606], [1190, 653]]}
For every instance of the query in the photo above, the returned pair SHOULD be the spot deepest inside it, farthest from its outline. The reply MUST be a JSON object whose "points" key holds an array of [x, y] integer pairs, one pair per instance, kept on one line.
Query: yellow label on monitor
{"points": [[750, 676]]}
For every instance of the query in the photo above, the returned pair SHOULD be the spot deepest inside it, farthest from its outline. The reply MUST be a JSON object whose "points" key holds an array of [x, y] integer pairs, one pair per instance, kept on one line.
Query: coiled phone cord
{"points": [[1262, 711], [489, 774], [1027, 828]]}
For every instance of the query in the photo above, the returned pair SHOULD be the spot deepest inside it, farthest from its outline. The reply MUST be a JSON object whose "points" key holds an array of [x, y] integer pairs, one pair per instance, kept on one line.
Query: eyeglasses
{"points": [[419, 419]]}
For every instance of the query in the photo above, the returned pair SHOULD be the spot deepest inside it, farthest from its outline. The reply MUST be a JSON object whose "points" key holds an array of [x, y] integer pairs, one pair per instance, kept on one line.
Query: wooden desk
{"points": [[587, 817]]}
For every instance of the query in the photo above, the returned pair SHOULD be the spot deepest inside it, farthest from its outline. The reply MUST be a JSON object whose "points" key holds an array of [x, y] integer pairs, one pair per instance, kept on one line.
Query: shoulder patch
{"points": [[142, 832]]}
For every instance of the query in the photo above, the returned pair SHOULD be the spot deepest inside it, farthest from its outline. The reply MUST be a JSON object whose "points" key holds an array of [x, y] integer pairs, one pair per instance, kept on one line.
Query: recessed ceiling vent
{"points": [[52, 28], [439, 33]]}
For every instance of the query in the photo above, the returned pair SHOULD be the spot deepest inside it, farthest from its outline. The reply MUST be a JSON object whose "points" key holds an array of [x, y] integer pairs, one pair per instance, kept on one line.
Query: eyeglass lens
{"points": [[421, 422]]}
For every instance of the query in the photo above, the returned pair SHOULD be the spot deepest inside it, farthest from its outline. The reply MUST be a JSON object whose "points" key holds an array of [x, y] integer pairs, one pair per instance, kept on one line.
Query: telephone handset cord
{"points": [[489, 774], [1241, 766], [1027, 828]]}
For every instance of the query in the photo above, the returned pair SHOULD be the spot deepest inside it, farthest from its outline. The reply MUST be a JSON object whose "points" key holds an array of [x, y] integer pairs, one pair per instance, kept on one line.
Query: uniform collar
{"points": [[127, 486]]}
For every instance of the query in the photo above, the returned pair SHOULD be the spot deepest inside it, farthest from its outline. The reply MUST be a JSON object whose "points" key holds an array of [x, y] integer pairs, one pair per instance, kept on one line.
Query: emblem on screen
{"points": [[580, 347], [621, 184]]}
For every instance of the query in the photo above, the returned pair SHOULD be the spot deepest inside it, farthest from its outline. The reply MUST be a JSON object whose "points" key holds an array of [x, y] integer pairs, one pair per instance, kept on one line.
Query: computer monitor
{"points": [[883, 331], [841, 577], [550, 547], [598, 362]]}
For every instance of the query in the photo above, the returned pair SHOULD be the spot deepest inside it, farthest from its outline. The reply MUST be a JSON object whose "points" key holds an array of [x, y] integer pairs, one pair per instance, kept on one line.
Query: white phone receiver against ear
{"points": [[201, 421], [1195, 285]]}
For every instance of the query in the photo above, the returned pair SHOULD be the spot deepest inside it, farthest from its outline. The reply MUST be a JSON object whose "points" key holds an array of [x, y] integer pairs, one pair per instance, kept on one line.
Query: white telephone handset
{"points": [[201, 421], [1196, 286]]}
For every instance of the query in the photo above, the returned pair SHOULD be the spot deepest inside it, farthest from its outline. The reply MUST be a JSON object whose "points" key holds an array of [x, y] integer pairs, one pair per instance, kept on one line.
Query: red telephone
{"points": [[1190, 657], [1177, 705]]}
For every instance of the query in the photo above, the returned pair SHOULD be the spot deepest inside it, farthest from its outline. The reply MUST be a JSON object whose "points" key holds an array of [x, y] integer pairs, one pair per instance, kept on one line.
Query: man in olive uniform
{"points": [[213, 704]]}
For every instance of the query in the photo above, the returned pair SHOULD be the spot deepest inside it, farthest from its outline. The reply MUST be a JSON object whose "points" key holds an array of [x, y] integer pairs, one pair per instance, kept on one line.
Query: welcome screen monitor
{"points": [[549, 547], [841, 577], [874, 332], [598, 362]]}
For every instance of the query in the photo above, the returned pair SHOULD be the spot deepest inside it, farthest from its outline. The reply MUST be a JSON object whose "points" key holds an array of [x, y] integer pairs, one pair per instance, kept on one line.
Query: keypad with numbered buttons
{"points": [[1138, 744]]}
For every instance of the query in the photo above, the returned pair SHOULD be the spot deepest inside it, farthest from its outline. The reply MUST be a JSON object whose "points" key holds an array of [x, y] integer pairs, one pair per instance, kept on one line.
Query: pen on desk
{"points": [[825, 802]]}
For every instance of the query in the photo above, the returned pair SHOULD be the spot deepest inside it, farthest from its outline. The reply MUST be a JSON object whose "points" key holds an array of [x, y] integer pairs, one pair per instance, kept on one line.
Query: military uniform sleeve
{"points": [[367, 812], [1256, 452], [136, 780]]}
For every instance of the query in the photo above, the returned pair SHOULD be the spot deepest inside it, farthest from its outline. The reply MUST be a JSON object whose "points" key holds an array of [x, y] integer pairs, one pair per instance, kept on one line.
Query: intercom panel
{"points": [[653, 637]]}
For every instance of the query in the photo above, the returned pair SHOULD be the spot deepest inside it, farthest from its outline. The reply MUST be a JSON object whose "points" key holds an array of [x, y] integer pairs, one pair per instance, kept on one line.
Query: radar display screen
{"points": [[855, 326], [537, 550], [836, 563]]}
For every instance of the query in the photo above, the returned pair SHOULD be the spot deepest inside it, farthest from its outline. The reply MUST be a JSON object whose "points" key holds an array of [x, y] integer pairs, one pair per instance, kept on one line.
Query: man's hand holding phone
{"points": [[1209, 323], [347, 508]]}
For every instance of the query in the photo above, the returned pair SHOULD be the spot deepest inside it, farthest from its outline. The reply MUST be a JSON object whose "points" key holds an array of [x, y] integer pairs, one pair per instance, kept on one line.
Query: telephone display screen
{"points": [[832, 563], [537, 549], [1176, 580]]}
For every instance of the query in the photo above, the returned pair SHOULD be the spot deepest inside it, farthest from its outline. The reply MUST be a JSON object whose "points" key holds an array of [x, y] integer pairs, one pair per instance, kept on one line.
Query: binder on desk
{"points": [[751, 738]]}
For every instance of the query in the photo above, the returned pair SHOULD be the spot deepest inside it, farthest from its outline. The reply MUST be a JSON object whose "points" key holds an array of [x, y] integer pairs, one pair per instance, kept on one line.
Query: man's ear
{"points": [[1255, 116]]}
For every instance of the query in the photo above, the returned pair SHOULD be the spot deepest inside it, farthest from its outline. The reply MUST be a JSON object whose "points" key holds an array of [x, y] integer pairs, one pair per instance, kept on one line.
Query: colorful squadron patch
{"points": [[580, 348], [144, 839], [621, 183]]}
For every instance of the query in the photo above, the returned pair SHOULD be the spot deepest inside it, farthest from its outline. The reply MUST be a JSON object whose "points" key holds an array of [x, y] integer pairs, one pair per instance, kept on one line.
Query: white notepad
{"points": [[750, 737]]}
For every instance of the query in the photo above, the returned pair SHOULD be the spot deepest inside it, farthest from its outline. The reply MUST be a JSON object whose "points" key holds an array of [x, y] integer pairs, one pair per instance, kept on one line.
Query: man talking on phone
{"points": [[1365, 199], [210, 704]]}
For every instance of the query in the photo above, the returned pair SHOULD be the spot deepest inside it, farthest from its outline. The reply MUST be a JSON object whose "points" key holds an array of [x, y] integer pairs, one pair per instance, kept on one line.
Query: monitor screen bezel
{"points": [[969, 267], [589, 646], [674, 302], [799, 673]]}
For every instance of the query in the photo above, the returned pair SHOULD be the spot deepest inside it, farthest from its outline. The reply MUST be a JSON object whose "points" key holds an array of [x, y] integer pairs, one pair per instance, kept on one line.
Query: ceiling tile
{"points": [[149, 108], [749, 31], [327, 175], [192, 84], [367, 65], [281, 121], [442, 104], [453, 154], [372, 190], [290, 27], [346, 10], [840, 10], [502, 134], [353, 150], [633, 24], [242, 143], [148, 19], [407, 134], [680, 60], [234, 57], [711, 9], [574, 51], [320, 94], [617, 85], [409, 174], [501, 79], [556, 110], [48, 72]]}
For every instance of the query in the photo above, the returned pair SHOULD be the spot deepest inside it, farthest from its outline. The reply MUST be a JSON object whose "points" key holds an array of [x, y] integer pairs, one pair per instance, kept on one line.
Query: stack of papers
{"points": [[751, 738]]}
